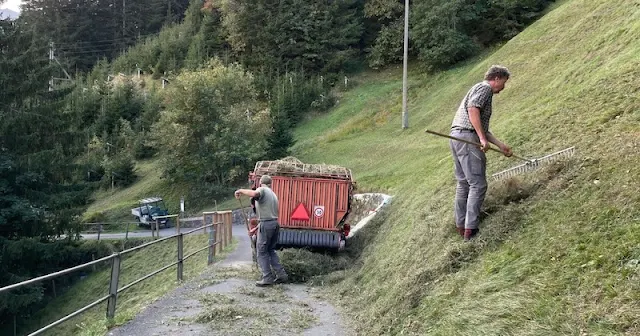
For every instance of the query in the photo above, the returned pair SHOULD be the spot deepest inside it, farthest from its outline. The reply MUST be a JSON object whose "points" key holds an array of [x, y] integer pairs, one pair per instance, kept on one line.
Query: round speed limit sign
{"points": [[318, 211]]}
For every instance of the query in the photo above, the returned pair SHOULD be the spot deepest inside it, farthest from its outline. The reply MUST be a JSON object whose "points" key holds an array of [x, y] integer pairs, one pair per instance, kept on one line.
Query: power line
{"points": [[110, 40], [97, 51], [102, 44]]}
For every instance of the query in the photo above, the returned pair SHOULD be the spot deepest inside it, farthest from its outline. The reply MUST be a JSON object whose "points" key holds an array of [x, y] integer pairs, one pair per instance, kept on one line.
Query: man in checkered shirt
{"points": [[471, 123]]}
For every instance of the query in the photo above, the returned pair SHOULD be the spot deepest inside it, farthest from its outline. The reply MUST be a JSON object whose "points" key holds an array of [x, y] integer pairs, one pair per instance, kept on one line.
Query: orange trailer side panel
{"points": [[324, 201]]}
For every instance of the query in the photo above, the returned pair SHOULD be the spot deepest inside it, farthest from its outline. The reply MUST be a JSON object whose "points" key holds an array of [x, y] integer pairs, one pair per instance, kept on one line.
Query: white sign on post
{"points": [[318, 211], [181, 204]]}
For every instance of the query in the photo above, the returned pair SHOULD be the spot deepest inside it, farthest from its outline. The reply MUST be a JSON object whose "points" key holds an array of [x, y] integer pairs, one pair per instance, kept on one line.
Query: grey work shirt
{"points": [[267, 204], [480, 96]]}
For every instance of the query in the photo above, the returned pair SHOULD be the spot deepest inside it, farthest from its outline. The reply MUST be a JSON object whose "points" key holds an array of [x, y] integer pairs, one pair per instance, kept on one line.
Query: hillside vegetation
{"points": [[248, 80], [559, 249]]}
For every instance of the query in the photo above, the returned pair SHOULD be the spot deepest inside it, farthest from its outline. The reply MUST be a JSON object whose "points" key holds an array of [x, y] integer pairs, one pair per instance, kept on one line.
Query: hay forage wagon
{"points": [[314, 202]]}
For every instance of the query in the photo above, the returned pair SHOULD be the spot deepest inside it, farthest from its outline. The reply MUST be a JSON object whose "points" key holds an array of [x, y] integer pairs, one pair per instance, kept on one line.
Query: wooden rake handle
{"points": [[246, 222], [246, 219], [475, 144]]}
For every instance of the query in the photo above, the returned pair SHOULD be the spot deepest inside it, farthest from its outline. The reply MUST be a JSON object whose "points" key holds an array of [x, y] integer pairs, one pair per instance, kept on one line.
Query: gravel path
{"points": [[225, 301]]}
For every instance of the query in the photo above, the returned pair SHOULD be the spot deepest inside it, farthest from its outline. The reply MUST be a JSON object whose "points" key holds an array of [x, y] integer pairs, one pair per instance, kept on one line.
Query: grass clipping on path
{"points": [[131, 301], [311, 267]]}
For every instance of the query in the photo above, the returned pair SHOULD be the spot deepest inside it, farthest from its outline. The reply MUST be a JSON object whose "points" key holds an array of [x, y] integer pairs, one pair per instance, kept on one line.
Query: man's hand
{"points": [[506, 150], [237, 194], [484, 145]]}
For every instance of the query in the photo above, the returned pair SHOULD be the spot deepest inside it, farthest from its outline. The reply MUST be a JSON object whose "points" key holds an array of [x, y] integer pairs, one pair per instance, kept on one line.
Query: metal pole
{"points": [[405, 115], [124, 18], [113, 287], [156, 229], [51, 57], [180, 255], [99, 231], [212, 250]]}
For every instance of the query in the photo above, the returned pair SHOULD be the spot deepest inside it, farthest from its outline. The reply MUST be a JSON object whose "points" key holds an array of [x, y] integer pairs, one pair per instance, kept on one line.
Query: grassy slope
{"points": [[559, 249], [117, 204], [131, 301]]}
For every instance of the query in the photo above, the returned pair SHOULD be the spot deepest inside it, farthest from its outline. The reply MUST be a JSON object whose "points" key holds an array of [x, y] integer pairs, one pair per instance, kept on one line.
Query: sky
{"points": [[12, 4]]}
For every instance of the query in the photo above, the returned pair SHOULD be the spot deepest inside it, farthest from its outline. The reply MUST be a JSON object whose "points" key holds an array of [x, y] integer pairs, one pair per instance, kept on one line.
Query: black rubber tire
{"points": [[282, 237], [335, 243], [288, 238]]}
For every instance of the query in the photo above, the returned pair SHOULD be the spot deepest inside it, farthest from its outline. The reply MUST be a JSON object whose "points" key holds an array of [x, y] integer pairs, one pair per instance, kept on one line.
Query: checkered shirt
{"points": [[480, 96]]}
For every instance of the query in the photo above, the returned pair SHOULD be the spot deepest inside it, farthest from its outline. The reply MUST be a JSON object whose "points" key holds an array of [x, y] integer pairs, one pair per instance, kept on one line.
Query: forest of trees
{"points": [[240, 75]]}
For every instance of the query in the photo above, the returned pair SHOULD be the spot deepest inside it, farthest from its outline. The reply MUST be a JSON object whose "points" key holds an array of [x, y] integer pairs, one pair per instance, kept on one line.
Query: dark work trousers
{"points": [[268, 232]]}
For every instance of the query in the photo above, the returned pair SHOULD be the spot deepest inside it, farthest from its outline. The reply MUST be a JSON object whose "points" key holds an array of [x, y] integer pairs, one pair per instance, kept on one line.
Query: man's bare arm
{"points": [[246, 192], [506, 150], [474, 117]]}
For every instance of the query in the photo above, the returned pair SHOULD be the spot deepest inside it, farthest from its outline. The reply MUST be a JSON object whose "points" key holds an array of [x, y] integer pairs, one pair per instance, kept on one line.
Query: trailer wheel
{"points": [[281, 236]]}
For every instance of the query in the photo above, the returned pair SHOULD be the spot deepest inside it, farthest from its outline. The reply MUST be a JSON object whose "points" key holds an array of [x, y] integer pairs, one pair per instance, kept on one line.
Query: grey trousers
{"points": [[470, 170], [268, 232]]}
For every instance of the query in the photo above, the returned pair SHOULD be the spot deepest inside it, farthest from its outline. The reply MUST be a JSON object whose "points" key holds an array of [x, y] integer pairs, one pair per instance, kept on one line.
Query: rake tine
{"points": [[536, 163]]}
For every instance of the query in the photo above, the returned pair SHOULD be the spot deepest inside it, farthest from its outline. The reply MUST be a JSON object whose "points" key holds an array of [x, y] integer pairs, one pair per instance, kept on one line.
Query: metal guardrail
{"points": [[100, 225], [154, 226], [218, 237]]}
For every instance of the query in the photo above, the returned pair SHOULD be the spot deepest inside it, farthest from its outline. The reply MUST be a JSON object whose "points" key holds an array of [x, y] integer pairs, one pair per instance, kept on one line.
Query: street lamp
{"points": [[405, 115]]}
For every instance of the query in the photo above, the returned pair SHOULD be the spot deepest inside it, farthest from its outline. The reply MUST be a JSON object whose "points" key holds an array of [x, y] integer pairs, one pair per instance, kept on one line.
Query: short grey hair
{"points": [[265, 179], [497, 71]]}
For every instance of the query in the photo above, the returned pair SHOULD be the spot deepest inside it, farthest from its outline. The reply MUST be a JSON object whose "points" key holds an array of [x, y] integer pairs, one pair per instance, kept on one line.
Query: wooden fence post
{"points": [[180, 256], [113, 286]]}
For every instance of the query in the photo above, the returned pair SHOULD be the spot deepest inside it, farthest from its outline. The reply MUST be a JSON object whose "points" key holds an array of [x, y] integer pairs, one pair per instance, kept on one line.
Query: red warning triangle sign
{"points": [[300, 213]]}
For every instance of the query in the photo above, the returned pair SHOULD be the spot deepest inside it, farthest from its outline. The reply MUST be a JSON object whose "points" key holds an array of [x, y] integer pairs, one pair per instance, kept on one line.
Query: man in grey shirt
{"points": [[268, 231], [471, 123]]}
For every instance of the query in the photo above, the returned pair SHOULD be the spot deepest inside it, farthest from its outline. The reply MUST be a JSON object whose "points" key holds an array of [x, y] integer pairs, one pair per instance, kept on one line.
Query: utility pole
{"points": [[124, 20], [51, 58], [405, 115], [124, 16]]}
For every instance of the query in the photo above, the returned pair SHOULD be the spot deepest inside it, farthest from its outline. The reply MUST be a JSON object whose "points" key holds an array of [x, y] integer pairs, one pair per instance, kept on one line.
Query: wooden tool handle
{"points": [[246, 219], [473, 143], [253, 243]]}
